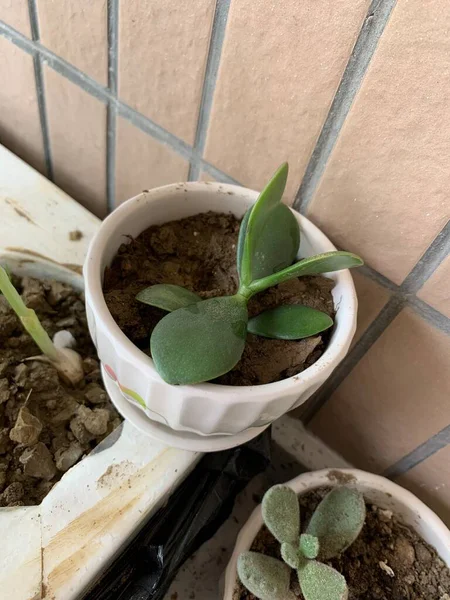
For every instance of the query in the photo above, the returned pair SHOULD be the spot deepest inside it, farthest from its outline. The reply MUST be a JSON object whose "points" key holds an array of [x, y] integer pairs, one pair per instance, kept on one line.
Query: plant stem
{"points": [[27, 316], [245, 292], [39, 335], [12, 295]]}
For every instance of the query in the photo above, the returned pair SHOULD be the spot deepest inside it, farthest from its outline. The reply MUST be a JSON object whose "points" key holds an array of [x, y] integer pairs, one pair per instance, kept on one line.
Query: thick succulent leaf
{"points": [[338, 521], [277, 243], [289, 322], [314, 265], [269, 225], [167, 296], [321, 582], [309, 545], [290, 555], [265, 577], [201, 341], [241, 239], [281, 513]]}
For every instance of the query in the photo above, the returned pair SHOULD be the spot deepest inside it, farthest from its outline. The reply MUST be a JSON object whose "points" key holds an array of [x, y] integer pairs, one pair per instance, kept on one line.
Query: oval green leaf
{"points": [[167, 296], [281, 513], [314, 265], [241, 240], [271, 237], [321, 582], [337, 521], [289, 322], [276, 244], [201, 341], [264, 576], [290, 555], [309, 545]]}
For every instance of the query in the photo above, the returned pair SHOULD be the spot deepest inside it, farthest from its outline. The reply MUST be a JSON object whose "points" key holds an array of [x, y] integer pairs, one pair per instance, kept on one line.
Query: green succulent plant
{"points": [[200, 340], [334, 526]]}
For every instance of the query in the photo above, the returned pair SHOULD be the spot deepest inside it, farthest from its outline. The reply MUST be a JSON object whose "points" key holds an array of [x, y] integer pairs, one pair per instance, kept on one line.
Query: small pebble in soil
{"points": [[27, 428]]}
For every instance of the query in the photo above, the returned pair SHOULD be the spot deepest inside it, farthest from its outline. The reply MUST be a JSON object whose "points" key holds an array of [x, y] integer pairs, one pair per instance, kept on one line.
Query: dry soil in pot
{"points": [[388, 561], [199, 253], [46, 426]]}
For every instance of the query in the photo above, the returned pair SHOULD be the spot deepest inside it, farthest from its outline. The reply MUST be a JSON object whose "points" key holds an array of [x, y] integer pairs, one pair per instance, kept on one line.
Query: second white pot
{"points": [[205, 409], [376, 489]]}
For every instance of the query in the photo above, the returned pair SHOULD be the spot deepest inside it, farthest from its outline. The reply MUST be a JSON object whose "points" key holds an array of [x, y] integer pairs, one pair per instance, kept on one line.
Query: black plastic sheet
{"points": [[194, 512]]}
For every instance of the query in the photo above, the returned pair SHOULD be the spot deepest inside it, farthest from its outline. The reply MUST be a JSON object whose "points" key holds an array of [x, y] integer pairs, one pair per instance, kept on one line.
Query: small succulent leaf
{"points": [[260, 217], [309, 545], [241, 239], [167, 296], [289, 322], [290, 555], [266, 577], [276, 245], [321, 582], [201, 341], [337, 521], [281, 513], [314, 265]]}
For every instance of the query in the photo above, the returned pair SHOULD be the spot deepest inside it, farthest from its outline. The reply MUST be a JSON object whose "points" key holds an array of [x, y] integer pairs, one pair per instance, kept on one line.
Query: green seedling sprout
{"points": [[200, 340], [67, 362], [334, 526]]}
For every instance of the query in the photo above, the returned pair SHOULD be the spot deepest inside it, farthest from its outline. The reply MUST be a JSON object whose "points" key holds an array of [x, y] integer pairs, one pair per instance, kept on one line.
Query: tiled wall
{"points": [[109, 98]]}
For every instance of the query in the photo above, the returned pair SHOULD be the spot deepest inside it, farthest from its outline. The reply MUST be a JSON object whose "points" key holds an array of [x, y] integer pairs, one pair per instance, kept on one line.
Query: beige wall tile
{"points": [[77, 130], [436, 290], [15, 13], [430, 481], [163, 46], [280, 68], [385, 191], [371, 299], [20, 127], [394, 399], [143, 163], [204, 176], [76, 30]]}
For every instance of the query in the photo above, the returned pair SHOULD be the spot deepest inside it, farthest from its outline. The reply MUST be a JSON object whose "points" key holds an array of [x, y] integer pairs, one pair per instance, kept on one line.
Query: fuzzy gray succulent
{"points": [[334, 526]]}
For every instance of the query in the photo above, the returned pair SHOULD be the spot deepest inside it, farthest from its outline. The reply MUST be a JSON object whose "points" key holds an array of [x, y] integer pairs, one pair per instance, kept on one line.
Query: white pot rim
{"points": [[419, 515], [93, 278]]}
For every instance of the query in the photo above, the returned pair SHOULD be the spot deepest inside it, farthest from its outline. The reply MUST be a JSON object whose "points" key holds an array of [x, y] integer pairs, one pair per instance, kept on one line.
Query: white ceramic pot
{"points": [[204, 409], [376, 489]]}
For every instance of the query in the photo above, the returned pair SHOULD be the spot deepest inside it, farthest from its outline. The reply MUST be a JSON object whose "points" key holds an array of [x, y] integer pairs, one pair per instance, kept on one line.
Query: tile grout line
{"points": [[429, 314], [436, 252], [104, 95], [435, 443], [385, 317], [218, 174], [209, 84], [111, 118], [401, 297], [365, 46], [40, 91]]}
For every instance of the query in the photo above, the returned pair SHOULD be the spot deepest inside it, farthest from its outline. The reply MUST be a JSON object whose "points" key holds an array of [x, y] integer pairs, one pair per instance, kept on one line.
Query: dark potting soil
{"points": [[199, 253], [388, 561], [46, 426]]}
